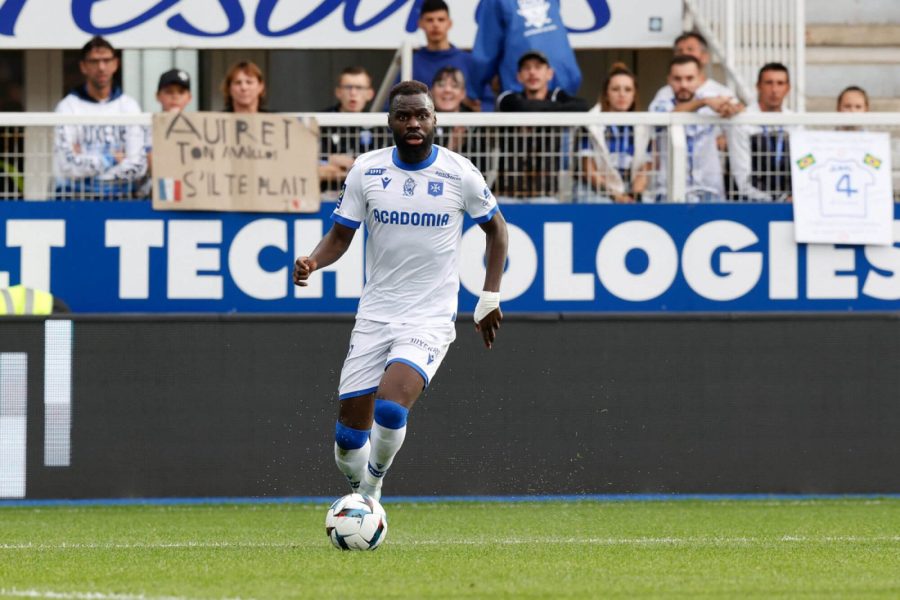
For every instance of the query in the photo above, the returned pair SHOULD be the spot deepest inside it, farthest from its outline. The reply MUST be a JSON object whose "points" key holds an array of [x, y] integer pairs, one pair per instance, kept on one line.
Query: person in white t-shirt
{"points": [[413, 198], [705, 182], [694, 44], [760, 155]]}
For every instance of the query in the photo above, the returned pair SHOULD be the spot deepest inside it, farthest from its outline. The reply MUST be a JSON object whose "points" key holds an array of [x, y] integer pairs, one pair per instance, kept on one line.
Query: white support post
{"points": [[730, 41], [388, 81], [799, 75], [406, 61], [43, 89], [677, 175]]}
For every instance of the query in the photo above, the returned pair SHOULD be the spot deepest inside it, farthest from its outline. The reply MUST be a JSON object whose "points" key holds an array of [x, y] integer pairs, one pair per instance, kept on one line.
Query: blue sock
{"points": [[349, 438], [351, 452]]}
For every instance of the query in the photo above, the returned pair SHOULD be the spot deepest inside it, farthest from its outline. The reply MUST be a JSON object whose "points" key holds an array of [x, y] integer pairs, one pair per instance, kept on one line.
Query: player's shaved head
{"points": [[409, 88], [412, 120]]}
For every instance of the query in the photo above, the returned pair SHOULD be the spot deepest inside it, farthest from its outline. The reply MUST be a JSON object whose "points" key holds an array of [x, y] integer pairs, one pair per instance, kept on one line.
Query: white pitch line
{"points": [[55, 595], [644, 541]]}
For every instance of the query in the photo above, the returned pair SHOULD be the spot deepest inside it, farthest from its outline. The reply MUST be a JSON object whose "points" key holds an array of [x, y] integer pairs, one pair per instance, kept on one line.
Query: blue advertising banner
{"points": [[124, 257]]}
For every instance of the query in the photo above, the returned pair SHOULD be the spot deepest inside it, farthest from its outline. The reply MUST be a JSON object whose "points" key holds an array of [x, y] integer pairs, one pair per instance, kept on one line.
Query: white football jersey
{"points": [[414, 216]]}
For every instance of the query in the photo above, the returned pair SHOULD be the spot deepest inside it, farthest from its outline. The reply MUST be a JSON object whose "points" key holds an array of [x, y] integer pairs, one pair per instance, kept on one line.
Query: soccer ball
{"points": [[356, 522]]}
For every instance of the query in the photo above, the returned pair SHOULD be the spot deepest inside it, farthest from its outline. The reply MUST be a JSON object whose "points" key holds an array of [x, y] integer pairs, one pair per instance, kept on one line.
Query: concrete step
{"points": [[852, 12], [879, 81], [827, 104], [868, 35], [852, 55]]}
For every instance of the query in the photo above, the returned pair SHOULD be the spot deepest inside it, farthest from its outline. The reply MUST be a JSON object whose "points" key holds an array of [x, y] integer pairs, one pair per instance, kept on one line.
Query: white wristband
{"points": [[487, 302]]}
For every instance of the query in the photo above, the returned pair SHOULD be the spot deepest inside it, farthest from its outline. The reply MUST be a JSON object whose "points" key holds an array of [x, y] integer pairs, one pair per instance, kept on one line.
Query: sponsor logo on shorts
{"points": [[433, 351]]}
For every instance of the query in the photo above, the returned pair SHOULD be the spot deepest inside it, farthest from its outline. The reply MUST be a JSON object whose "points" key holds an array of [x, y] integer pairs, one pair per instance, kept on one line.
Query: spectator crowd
{"points": [[521, 62]]}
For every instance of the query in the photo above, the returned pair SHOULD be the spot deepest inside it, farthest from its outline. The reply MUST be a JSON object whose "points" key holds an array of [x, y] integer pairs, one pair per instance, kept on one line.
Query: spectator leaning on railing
{"points": [[760, 154], [693, 44], [98, 162], [705, 182]]}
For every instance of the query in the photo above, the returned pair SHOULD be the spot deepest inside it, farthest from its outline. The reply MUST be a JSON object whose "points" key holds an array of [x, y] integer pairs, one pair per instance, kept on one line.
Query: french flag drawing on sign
{"points": [[170, 190]]}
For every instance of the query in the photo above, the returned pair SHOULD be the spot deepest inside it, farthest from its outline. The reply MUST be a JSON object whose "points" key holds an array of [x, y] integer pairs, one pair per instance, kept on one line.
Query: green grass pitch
{"points": [[839, 548]]}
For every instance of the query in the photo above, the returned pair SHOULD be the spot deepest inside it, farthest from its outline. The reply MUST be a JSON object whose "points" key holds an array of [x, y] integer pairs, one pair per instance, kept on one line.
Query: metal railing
{"points": [[746, 34], [525, 157]]}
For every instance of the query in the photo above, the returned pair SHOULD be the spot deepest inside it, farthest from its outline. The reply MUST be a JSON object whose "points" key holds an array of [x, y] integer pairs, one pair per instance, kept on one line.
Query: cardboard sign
{"points": [[842, 187], [235, 162]]}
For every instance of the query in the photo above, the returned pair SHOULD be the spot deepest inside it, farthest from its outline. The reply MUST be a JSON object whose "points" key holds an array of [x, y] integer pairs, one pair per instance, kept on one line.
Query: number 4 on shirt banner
{"points": [[842, 187]]}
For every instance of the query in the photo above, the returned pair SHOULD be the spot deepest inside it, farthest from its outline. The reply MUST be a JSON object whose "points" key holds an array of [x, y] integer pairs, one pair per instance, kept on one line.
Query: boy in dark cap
{"points": [[174, 90]]}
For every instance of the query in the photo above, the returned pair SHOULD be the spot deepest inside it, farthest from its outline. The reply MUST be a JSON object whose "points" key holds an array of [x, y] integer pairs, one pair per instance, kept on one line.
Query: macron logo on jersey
{"points": [[401, 217]]}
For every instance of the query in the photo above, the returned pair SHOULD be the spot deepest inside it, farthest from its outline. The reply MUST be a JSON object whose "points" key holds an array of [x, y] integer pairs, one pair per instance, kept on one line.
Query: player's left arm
{"points": [[487, 312]]}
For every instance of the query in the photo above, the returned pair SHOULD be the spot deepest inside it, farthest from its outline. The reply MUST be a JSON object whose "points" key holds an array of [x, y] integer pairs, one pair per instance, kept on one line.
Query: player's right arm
{"points": [[348, 216], [328, 251]]}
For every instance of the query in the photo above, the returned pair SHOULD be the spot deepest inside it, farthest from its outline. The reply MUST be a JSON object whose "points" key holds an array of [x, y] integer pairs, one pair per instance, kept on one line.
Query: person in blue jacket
{"points": [[507, 29], [435, 22], [438, 53]]}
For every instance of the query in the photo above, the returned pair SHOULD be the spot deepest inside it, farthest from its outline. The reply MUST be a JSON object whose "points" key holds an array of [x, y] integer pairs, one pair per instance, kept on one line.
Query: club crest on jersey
{"points": [[384, 182], [409, 186], [435, 188], [376, 171]]}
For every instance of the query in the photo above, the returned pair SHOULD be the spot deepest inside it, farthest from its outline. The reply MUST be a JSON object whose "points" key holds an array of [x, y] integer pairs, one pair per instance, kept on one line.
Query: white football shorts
{"points": [[374, 346]]}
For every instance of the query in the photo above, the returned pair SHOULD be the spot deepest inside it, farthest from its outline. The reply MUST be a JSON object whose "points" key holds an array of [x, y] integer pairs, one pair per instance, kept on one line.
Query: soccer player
{"points": [[412, 197]]}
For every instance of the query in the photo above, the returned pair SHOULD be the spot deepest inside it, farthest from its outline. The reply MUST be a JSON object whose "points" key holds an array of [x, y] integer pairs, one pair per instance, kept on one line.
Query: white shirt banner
{"points": [[842, 187], [313, 24]]}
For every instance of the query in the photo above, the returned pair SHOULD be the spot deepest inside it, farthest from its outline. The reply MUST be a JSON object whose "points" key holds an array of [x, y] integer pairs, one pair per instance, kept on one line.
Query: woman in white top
{"points": [[615, 158]]}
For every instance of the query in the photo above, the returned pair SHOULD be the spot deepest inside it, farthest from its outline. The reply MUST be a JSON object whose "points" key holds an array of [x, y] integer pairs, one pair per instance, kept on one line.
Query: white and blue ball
{"points": [[356, 522]]}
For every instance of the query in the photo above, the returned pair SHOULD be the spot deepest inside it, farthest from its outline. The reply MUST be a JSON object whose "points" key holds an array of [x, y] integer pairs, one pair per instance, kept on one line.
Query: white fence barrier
{"points": [[526, 157]]}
